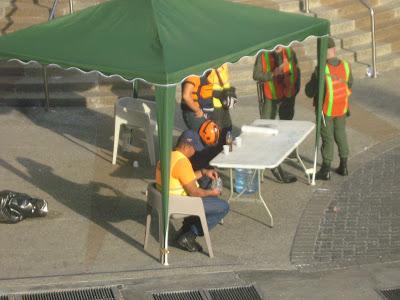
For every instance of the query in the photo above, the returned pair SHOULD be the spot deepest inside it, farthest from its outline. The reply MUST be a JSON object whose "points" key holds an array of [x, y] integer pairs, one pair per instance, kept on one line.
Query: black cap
{"points": [[191, 137], [331, 43]]}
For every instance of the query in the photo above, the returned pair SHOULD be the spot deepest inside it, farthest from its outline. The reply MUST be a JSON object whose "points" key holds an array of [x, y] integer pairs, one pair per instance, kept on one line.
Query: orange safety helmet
{"points": [[209, 132]]}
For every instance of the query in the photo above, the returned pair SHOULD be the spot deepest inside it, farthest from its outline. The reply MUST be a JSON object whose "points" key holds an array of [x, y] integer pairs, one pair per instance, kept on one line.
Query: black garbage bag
{"points": [[15, 207]]}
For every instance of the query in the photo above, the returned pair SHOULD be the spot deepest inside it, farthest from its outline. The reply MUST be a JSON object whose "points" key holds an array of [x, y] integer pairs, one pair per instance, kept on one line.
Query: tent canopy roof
{"points": [[160, 41]]}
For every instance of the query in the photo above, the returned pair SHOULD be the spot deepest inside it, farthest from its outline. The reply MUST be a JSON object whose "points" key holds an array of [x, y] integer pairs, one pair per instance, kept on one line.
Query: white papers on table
{"points": [[259, 129]]}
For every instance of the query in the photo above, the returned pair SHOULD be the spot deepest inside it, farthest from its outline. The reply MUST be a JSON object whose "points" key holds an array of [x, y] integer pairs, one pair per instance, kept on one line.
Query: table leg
{"points": [[262, 199], [231, 192], [303, 165], [231, 184]]}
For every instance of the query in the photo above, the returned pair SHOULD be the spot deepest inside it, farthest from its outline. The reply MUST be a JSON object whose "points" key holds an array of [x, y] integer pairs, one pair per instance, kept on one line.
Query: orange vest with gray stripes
{"points": [[337, 91]]}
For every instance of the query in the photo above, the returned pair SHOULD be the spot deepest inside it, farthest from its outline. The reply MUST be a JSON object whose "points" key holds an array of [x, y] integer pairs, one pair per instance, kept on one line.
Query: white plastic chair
{"points": [[179, 207], [134, 113]]}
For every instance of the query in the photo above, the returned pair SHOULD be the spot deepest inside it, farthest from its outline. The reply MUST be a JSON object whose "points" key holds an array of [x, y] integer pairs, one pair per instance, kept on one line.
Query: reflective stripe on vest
{"points": [[175, 186], [348, 90], [279, 87], [290, 81], [337, 92], [217, 84], [269, 86]]}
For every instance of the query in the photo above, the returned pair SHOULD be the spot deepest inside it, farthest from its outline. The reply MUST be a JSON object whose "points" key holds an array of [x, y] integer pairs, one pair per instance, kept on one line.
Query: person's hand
{"points": [[277, 71], [211, 173], [199, 113], [215, 192]]}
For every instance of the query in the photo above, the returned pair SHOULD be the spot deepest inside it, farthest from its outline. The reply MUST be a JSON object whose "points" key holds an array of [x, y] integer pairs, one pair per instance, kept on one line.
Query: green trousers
{"points": [[191, 121], [334, 131], [222, 117], [284, 107]]}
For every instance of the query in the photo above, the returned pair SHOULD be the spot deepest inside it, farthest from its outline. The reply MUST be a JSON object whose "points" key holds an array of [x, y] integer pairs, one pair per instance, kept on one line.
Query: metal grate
{"points": [[235, 293], [3, 297], [101, 293], [391, 294], [231, 293], [183, 295]]}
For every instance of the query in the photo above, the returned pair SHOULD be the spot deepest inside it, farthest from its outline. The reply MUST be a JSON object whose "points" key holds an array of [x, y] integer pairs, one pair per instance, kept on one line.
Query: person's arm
{"points": [[211, 173], [187, 97], [350, 83], [183, 171], [311, 86], [298, 82], [193, 190], [258, 74]]}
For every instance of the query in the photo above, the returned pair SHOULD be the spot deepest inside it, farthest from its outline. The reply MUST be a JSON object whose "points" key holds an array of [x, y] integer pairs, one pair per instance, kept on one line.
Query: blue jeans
{"points": [[215, 210]]}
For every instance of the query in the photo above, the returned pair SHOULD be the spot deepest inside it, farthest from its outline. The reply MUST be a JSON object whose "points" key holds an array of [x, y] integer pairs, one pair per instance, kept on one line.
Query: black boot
{"points": [[324, 173], [282, 176], [187, 241], [342, 170]]}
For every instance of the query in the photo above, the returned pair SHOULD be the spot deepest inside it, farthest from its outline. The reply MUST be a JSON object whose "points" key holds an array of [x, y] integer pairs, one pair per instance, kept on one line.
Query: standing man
{"points": [[338, 82], [279, 76], [220, 81], [223, 98], [278, 82], [222, 91], [183, 181], [196, 103]]}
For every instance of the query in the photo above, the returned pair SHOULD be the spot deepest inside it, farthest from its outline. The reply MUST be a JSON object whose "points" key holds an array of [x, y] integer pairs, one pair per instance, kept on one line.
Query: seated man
{"points": [[183, 181]]}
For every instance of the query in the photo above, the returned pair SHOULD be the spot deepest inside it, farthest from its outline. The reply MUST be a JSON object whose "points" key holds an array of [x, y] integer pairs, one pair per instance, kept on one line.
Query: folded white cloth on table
{"points": [[262, 130]]}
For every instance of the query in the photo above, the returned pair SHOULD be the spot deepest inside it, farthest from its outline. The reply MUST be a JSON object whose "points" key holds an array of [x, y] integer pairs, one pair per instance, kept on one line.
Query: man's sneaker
{"points": [[187, 241]]}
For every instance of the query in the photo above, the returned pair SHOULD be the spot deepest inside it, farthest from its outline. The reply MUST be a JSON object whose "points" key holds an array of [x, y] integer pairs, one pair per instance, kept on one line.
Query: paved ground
{"points": [[94, 231], [363, 219], [360, 217]]}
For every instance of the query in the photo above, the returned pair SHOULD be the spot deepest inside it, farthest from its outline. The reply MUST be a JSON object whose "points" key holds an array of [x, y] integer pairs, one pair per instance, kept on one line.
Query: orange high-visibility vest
{"points": [[202, 91], [337, 91], [285, 86], [175, 186]]}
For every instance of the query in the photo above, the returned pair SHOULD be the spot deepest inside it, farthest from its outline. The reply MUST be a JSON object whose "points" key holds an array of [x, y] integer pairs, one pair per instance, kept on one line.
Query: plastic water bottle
{"points": [[217, 184], [246, 179]]}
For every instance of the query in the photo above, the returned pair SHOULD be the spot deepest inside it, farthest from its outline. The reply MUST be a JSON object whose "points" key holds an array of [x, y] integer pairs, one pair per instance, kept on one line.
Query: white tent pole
{"points": [[164, 256]]}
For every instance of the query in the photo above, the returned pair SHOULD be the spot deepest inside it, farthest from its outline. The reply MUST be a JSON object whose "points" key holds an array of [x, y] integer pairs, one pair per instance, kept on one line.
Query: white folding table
{"points": [[260, 151]]}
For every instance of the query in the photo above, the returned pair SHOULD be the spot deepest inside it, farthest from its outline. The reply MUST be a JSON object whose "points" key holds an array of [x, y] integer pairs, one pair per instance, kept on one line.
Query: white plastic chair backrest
{"points": [[154, 197], [129, 104], [147, 110], [179, 206]]}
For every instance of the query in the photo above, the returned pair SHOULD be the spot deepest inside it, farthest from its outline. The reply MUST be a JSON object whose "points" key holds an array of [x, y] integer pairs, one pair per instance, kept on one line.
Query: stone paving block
{"points": [[361, 219]]}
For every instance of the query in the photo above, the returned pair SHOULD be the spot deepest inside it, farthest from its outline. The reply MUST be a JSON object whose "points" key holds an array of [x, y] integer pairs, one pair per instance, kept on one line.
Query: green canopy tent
{"points": [[162, 42]]}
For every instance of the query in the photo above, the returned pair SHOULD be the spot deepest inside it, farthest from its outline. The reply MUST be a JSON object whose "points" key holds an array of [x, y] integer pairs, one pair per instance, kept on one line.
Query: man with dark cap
{"points": [[183, 181], [335, 110]]}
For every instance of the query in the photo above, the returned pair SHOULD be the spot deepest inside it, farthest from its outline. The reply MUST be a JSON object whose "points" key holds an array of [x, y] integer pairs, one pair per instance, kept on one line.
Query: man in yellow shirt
{"points": [[183, 181]]}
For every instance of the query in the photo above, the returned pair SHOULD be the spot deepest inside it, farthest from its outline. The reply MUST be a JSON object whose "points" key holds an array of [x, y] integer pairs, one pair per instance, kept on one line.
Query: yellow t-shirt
{"points": [[181, 172]]}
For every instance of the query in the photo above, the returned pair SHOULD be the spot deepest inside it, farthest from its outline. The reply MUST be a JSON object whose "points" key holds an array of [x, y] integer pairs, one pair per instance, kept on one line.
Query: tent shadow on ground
{"points": [[95, 201], [76, 124]]}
